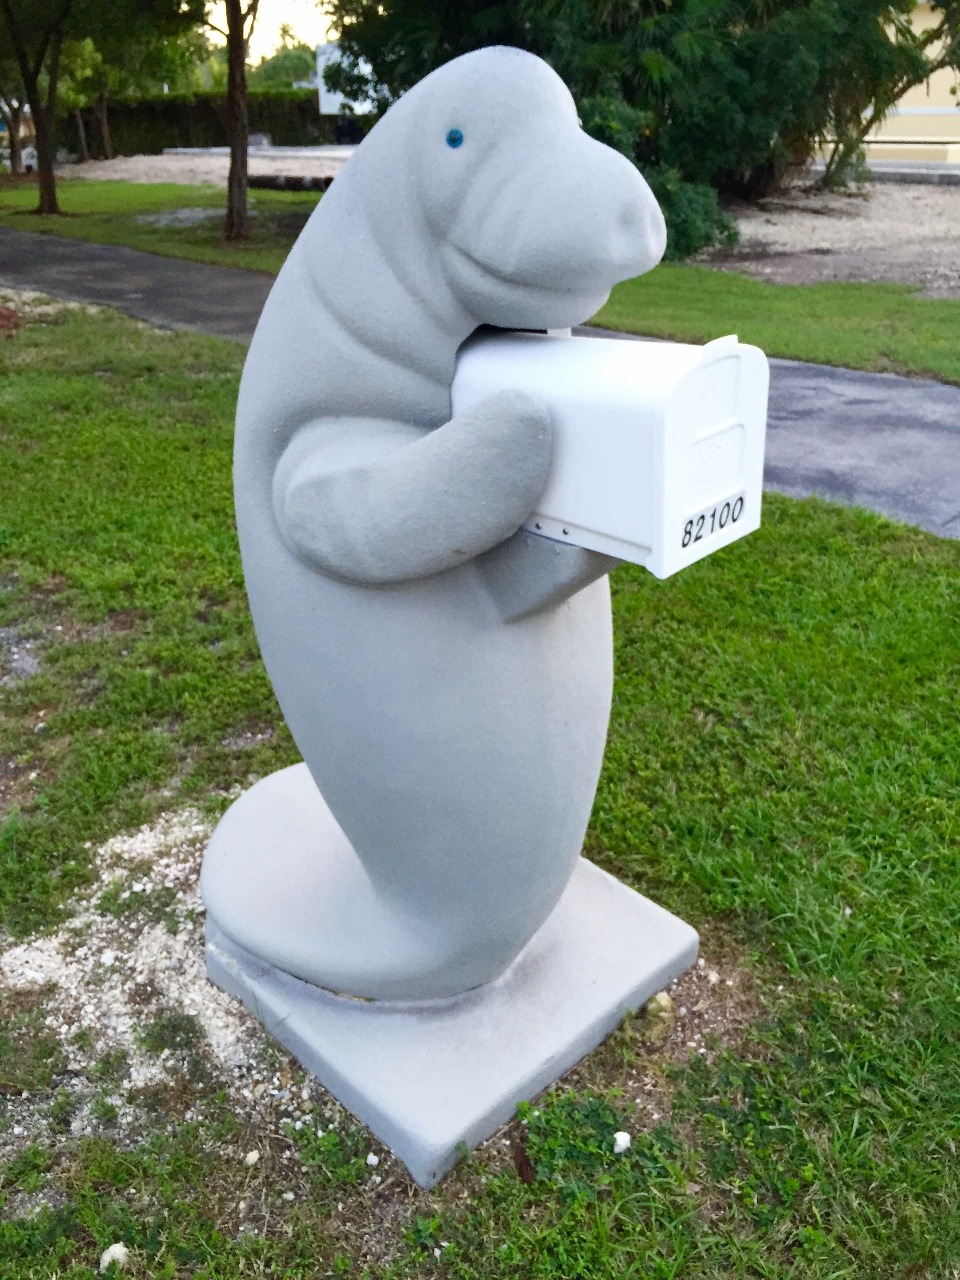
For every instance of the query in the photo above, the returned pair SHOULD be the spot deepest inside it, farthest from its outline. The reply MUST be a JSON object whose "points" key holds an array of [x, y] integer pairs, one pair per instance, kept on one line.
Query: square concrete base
{"points": [[429, 1077]]}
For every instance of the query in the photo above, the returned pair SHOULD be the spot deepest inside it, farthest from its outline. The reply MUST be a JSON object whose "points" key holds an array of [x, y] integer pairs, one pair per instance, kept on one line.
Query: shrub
{"points": [[692, 212], [735, 92], [145, 126], [691, 209]]}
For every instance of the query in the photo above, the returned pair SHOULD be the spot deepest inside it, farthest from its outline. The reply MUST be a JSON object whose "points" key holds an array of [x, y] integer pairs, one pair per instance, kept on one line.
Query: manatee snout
{"points": [[568, 224], [639, 238], [593, 223], [577, 216]]}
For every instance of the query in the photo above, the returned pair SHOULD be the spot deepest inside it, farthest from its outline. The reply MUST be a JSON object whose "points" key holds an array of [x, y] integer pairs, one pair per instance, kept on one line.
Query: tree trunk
{"points": [[44, 142], [42, 111], [235, 226], [100, 106], [81, 134], [46, 177]]}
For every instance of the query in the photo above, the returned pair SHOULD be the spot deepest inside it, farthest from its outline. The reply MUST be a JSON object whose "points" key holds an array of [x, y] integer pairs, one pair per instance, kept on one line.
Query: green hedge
{"points": [[147, 125]]}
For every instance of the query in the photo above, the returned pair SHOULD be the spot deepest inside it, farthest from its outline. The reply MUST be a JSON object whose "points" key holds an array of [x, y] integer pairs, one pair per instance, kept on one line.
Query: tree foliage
{"points": [[291, 62], [120, 66], [724, 92], [81, 66], [878, 72], [38, 32]]}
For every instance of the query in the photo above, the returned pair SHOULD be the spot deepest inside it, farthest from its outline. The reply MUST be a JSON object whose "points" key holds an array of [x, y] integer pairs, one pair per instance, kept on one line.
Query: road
{"points": [[881, 441]]}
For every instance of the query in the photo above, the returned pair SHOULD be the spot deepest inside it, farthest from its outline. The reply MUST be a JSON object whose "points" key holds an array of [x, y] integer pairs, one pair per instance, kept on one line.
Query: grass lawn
{"points": [[114, 213], [783, 769], [884, 327], [888, 328]]}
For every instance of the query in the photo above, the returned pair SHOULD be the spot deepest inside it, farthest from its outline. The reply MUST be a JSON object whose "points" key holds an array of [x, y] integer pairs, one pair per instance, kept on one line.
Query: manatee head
{"points": [[530, 220]]}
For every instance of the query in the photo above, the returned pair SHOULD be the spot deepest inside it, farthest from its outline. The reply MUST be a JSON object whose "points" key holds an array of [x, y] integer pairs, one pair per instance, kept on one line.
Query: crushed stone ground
{"points": [[202, 170], [28, 304], [109, 974], [888, 232]]}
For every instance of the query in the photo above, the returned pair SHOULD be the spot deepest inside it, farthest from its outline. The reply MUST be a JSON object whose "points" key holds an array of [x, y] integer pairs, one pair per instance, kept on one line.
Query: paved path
{"points": [[878, 440], [169, 292], [910, 172]]}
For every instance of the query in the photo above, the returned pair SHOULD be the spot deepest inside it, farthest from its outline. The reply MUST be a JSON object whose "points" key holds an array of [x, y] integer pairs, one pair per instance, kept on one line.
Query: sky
{"points": [[305, 17]]}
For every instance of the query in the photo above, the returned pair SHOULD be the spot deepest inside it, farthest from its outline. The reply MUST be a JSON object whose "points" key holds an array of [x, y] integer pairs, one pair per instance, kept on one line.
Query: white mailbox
{"points": [[658, 446]]}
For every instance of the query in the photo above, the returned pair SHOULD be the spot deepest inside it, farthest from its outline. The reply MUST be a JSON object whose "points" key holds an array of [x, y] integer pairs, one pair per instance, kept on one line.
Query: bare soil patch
{"points": [[888, 233]]}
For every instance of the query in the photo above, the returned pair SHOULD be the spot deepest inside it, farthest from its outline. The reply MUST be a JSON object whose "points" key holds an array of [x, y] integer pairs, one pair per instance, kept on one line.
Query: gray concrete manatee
{"points": [[446, 677]]}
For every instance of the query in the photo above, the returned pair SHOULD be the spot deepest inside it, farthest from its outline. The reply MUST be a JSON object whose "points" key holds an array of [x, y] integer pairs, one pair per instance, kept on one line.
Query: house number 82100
{"points": [[712, 520]]}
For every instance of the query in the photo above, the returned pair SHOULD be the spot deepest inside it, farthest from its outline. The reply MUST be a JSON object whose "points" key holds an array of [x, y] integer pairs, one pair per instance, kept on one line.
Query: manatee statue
{"points": [[446, 678]]}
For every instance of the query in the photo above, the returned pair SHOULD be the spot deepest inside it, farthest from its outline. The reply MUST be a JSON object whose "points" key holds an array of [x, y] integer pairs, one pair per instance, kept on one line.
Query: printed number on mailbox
{"points": [[712, 520]]}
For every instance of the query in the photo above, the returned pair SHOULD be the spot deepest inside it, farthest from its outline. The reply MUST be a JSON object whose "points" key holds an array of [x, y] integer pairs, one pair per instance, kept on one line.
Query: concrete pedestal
{"points": [[429, 1077]]}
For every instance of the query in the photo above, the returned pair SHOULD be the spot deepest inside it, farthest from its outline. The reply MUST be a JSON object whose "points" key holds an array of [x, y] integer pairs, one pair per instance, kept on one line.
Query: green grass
{"points": [[113, 213], [783, 769], [883, 327], [116, 444]]}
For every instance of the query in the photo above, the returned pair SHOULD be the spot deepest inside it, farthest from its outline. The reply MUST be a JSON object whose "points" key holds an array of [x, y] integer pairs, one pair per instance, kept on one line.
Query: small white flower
{"points": [[118, 1253], [373, 1160], [848, 911], [107, 958], [251, 1158], [288, 1196], [621, 1142]]}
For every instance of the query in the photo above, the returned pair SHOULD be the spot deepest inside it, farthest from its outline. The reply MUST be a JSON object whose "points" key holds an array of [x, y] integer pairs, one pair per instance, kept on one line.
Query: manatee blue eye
{"points": [[455, 138]]}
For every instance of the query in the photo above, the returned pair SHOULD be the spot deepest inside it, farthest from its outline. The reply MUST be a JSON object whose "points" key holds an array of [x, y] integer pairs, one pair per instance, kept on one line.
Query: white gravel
{"points": [[31, 305], [94, 965], [878, 218], [206, 170], [104, 978], [908, 234]]}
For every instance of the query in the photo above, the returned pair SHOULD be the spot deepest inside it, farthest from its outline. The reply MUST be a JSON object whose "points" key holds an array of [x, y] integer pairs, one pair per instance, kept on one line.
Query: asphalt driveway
{"points": [[881, 441]]}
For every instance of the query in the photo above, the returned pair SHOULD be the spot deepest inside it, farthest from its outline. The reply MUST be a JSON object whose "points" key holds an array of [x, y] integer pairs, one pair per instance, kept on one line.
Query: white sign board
{"points": [[658, 446], [332, 104]]}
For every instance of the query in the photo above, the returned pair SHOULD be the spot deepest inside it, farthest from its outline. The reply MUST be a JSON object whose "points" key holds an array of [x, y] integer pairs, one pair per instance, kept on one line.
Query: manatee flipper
{"points": [[379, 502], [528, 573]]}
